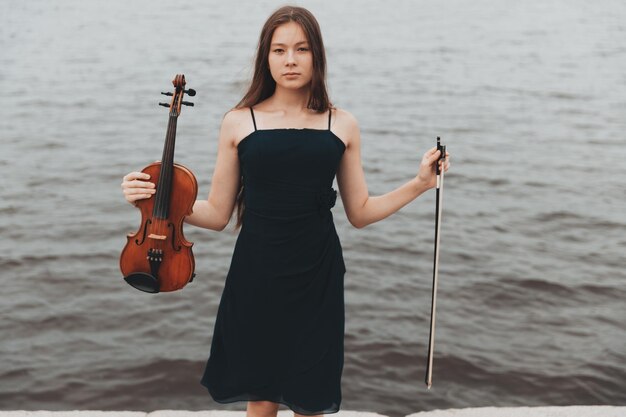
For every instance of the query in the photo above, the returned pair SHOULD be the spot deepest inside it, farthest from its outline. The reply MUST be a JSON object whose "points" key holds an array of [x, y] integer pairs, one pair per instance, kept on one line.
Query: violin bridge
{"points": [[157, 237]]}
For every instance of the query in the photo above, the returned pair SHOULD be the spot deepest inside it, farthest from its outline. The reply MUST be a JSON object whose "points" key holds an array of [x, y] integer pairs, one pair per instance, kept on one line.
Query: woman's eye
{"points": [[278, 50]]}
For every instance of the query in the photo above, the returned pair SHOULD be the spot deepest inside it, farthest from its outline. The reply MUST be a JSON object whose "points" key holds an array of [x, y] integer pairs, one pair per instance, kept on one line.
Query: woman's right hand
{"points": [[135, 187]]}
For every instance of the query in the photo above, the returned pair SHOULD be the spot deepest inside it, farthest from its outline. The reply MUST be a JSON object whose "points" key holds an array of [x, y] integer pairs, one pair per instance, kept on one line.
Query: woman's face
{"points": [[290, 52]]}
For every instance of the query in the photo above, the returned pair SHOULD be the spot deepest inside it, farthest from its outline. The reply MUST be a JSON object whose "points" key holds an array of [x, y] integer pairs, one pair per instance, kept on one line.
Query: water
{"points": [[529, 97]]}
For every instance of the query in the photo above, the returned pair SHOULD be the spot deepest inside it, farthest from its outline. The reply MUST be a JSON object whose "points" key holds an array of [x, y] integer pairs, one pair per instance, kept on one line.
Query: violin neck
{"points": [[170, 142], [162, 198]]}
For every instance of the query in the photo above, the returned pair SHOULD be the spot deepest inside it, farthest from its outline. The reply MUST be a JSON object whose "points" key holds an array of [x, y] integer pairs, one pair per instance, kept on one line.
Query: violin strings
{"points": [[160, 203], [166, 177], [167, 174]]}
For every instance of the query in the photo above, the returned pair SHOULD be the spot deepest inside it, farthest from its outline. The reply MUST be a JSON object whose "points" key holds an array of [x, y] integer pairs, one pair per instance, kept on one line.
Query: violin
{"points": [[157, 257]]}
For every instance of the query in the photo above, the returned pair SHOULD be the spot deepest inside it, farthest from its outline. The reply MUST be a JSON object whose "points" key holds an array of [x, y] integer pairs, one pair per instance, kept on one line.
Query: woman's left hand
{"points": [[427, 174]]}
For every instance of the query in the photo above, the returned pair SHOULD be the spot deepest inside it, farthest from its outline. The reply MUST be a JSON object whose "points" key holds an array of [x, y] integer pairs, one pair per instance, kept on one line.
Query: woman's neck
{"points": [[291, 101]]}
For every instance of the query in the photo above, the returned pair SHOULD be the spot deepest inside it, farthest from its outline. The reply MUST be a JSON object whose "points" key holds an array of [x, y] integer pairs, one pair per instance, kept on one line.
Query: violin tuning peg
{"points": [[164, 104], [191, 92], [187, 103], [167, 94]]}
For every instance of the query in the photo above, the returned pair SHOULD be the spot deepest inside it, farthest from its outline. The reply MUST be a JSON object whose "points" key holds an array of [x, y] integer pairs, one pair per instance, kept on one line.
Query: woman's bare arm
{"points": [[215, 212], [361, 208]]}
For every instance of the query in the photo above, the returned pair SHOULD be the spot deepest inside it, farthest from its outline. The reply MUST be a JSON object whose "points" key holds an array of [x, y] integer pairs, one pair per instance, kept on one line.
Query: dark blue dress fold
{"points": [[279, 329]]}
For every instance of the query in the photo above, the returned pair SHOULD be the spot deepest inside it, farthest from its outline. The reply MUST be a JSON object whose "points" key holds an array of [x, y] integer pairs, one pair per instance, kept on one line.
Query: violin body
{"points": [[157, 257], [174, 266]]}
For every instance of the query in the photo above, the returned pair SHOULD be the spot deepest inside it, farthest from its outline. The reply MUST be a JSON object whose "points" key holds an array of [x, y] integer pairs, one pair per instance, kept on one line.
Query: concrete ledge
{"points": [[556, 411]]}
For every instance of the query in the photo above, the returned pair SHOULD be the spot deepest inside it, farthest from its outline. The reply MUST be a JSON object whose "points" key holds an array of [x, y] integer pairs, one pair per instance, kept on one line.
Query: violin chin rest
{"points": [[143, 282]]}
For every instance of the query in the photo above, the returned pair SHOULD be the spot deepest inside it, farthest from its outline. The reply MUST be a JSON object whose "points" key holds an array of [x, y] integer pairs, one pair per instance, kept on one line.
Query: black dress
{"points": [[279, 329]]}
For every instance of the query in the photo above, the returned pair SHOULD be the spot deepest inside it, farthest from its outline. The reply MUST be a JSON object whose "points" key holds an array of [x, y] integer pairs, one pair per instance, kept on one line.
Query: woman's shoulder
{"points": [[236, 115], [344, 117], [345, 125], [237, 123]]}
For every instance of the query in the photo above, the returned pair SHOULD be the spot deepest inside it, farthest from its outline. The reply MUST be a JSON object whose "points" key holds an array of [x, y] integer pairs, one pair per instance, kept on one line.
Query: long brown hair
{"points": [[263, 85]]}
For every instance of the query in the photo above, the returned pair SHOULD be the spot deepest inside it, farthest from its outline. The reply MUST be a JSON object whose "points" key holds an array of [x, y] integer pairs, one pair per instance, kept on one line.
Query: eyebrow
{"points": [[282, 44]]}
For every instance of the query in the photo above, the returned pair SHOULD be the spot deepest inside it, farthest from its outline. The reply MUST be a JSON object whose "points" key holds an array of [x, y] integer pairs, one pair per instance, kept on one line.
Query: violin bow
{"points": [[438, 211]]}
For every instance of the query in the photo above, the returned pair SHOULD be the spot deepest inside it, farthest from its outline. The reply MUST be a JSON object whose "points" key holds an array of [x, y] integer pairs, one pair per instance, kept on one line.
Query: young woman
{"points": [[278, 335]]}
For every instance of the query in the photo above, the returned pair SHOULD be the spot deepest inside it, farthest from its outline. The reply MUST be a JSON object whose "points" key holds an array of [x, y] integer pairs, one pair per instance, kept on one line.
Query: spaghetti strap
{"points": [[329, 113], [254, 121]]}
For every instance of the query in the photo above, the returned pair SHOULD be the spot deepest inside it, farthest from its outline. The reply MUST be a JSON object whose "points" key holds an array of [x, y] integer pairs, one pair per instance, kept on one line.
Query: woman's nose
{"points": [[291, 57]]}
